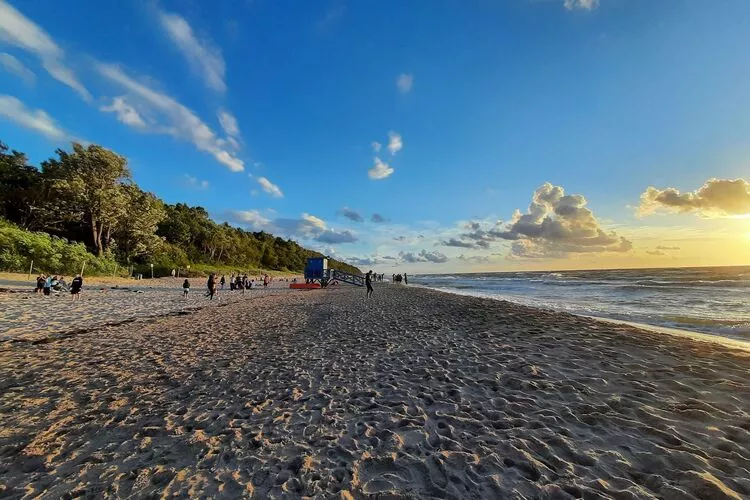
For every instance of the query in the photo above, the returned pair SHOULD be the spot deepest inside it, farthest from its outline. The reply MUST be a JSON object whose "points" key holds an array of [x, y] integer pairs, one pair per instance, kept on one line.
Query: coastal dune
{"points": [[414, 393]]}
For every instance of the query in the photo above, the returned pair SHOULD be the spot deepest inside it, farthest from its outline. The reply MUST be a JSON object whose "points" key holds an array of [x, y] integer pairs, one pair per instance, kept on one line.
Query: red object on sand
{"points": [[304, 286]]}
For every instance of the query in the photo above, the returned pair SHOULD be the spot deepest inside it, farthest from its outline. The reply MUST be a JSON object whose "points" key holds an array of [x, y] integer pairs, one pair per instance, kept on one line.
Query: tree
{"points": [[21, 190], [135, 234], [87, 184]]}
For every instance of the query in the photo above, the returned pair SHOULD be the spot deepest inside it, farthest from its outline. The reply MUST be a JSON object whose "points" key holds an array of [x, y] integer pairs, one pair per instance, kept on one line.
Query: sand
{"points": [[415, 394], [25, 316]]}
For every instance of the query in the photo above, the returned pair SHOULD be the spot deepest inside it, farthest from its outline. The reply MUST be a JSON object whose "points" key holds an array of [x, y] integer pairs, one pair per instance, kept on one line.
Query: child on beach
{"points": [[185, 288], [75, 287]]}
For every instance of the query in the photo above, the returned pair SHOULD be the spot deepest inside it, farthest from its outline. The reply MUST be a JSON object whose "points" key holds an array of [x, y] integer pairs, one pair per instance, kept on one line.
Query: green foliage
{"points": [[88, 195]]}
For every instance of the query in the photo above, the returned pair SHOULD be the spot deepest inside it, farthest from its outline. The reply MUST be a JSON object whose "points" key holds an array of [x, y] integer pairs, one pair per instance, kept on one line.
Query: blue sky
{"points": [[266, 113]]}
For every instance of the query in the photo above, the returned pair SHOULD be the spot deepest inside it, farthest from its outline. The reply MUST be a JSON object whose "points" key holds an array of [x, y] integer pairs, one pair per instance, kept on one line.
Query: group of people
{"points": [[45, 284], [397, 278], [236, 282]]}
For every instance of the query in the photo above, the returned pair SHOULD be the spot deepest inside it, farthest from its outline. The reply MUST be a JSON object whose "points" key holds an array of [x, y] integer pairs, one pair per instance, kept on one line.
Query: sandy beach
{"points": [[415, 394]]}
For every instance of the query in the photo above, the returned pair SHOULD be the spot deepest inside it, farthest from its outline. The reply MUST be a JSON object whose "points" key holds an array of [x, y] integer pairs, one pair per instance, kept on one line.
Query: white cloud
{"points": [[395, 143], [228, 123], [182, 122], [555, 226], [16, 67], [314, 221], [423, 256], [126, 113], [16, 29], [376, 146], [38, 120], [195, 182], [252, 218], [404, 82], [581, 4], [716, 198], [204, 58], [270, 187], [380, 170]]}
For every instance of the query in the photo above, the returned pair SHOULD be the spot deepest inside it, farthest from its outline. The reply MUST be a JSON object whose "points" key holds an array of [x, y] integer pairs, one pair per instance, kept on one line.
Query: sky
{"points": [[421, 136]]}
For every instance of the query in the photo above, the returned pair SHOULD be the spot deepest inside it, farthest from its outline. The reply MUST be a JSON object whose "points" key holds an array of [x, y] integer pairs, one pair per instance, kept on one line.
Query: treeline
{"points": [[83, 205]]}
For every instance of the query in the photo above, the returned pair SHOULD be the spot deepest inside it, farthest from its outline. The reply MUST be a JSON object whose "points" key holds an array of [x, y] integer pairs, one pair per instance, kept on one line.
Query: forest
{"points": [[83, 206]]}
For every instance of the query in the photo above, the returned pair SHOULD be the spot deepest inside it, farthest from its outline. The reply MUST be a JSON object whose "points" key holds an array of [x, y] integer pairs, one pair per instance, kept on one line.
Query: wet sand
{"points": [[415, 393]]}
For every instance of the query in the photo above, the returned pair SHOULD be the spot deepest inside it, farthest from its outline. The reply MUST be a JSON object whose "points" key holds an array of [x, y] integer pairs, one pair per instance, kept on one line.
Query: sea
{"points": [[709, 300]]}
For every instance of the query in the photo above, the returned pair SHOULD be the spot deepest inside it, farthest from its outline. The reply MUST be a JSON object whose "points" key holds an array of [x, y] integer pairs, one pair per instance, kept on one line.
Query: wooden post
{"points": [[114, 274], [82, 268], [31, 268]]}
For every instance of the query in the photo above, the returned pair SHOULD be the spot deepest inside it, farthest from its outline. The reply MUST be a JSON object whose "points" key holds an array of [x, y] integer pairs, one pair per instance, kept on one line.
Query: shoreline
{"points": [[678, 332], [413, 393]]}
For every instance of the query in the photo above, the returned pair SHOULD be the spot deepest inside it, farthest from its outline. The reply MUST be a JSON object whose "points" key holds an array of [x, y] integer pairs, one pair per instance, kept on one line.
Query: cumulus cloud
{"points": [[204, 58], [377, 218], [336, 237], [581, 4], [16, 67], [352, 215], [395, 143], [126, 113], [380, 170], [229, 123], [181, 122], [404, 82], [16, 29], [716, 198], [195, 182], [423, 256], [17, 112], [555, 226], [270, 187]]}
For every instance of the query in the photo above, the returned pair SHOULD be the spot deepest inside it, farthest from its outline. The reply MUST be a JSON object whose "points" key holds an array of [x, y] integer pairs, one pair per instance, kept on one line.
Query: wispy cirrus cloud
{"points": [[195, 182], [176, 119], [37, 120], [228, 123], [16, 67], [203, 56], [404, 82], [580, 4], [19, 31], [126, 113], [270, 188]]}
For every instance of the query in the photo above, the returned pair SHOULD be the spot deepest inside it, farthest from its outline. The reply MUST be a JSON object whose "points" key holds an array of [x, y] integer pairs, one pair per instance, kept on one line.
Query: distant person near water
{"points": [[368, 282], [406, 280], [211, 286], [75, 287], [185, 288]]}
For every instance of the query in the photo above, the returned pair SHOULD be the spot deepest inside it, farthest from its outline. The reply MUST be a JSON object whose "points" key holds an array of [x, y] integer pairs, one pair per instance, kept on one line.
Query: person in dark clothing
{"points": [[406, 280], [75, 287], [211, 286], [39, 284], [368, 282], [222, 281], [185, 288]]}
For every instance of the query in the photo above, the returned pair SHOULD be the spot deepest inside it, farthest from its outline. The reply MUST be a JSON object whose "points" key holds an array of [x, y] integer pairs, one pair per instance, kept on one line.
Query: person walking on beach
{"points": [[231, 282], [406, 280], [222, 281], [211, 286], [75, 287], [185, 288], [266, 280], [173, 273], [368, 282], [40, 284], [47, 285]]}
